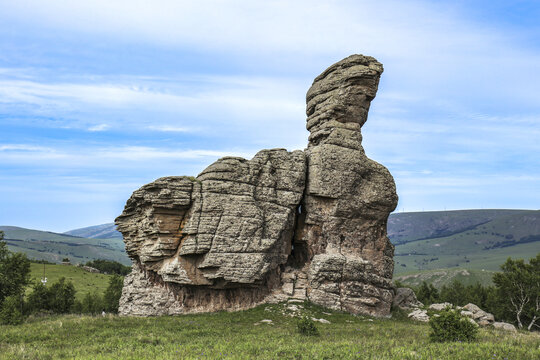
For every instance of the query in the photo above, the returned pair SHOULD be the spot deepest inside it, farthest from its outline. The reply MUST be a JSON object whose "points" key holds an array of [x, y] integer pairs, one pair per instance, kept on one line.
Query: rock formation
{"points": [[304, 224]]}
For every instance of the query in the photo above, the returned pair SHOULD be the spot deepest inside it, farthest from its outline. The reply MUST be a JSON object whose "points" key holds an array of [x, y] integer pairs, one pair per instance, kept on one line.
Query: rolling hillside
{"points": [[425, 241], [44, 245], [103, 231], [83, 281], [472, 239]]}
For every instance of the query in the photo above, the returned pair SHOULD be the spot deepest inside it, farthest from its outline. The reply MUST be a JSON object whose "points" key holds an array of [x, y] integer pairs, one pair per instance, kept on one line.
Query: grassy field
{"points": [[240, 335], [441, 277], [53, 247], [83, 281]]}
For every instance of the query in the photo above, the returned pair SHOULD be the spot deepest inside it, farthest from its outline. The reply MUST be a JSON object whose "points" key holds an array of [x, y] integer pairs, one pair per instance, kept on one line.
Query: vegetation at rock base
{"points": [[234, 335], [306, 326], [449, 325]]}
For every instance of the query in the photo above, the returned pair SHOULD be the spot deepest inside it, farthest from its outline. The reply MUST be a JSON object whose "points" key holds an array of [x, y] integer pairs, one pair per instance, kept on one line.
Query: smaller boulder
{"points": [[440, 306], [472, 308], [321, 320], [504, 326], [406, 299], [419, 315]]}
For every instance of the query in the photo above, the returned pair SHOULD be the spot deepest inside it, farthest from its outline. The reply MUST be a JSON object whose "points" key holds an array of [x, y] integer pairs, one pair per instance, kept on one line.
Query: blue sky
{"points": [[98, 98]]}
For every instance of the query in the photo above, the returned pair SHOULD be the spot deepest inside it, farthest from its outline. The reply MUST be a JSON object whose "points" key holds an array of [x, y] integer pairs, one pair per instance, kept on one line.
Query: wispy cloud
{"points": [[100, 127]]}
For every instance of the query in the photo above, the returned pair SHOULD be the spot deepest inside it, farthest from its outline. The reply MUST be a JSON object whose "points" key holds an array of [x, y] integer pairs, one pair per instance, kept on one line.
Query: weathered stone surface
{"points": [[419, 315], [482, 317], [405, 298], [440, 306], [302, 225], [504, 326], [348, 197]]}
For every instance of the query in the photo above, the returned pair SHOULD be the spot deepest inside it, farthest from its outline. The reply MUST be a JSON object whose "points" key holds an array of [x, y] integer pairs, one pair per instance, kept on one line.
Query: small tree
{"points": [[455, 294], [92, 303], [112, 295], [62, 296], [14, 272], [427, 294], [40, 298], [519, 288], [10, 311]]}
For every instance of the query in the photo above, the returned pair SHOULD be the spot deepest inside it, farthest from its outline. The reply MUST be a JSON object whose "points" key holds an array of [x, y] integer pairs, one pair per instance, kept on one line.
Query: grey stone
{"points": [[440, 306], [419, 315], [308, 225], [504, 326], [405, 298]]}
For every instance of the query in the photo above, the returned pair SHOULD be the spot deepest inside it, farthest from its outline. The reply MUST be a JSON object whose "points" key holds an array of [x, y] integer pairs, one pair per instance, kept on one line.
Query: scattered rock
{"points": [[322, 321], [440, 306], [504, 326], [266, 321], [480, 316], [419, 315], [220, 241], [90, 269], [405, 298]]}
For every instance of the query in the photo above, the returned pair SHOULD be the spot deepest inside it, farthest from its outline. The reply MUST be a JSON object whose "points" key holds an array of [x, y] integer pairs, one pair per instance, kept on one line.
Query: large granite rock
{"points": [[306, 225]]}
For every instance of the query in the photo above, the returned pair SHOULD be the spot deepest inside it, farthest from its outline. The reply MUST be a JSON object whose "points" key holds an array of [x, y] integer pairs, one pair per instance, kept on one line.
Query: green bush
{"points": [[111, 298], [92, 303], [307, 327], [451, 326], [59, 298], [10, 312], [109, 267]]}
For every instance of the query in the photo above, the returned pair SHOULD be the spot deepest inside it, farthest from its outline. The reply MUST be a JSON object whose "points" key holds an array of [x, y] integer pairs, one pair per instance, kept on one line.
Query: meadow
{"points": [[241, 335], [83, 281]]}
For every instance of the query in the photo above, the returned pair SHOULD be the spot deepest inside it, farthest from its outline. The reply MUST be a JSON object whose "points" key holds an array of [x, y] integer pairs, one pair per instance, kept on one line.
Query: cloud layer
{"points": [[97, 98]]}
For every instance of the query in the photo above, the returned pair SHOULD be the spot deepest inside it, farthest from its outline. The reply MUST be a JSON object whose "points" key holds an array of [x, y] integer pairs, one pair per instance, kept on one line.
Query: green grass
{"points": [[83, 281], [235, 336], [441, 277]]}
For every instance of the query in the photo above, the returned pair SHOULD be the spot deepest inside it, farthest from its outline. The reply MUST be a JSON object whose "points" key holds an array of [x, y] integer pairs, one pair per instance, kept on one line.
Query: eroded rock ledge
{"points": [[305, 224]]}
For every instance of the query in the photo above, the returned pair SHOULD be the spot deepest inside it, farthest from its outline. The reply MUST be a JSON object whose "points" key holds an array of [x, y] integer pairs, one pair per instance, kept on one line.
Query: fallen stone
{"points": [[322, 321], [405, 298], [419, 315], [440, 306], [504, 326]]}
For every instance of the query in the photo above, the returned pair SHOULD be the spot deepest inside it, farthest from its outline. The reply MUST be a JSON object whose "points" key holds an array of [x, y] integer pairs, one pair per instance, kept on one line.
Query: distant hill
{"points": [[441, 277], [103, 231], [425, 241], [50, 246], [470, 239], [406, 227]]}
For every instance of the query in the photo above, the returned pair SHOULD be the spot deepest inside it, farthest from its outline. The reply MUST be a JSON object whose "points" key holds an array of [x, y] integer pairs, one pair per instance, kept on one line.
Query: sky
{"points": [[101, 97]]}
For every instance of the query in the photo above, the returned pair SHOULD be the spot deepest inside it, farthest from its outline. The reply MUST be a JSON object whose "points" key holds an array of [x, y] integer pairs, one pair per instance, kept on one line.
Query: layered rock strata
{"points": [[305, 224]]}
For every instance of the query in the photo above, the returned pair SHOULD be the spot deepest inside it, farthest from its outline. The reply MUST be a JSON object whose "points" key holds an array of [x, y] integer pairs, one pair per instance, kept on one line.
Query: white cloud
{"points": [[100, 127]]}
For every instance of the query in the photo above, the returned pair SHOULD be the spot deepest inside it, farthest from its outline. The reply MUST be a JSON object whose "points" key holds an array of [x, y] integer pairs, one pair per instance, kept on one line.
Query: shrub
{"points": [[39, 299], [451, 326], [109, 267], [307, 327], [62, 296], [92, 303], [10, 313], [112, 295]]}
